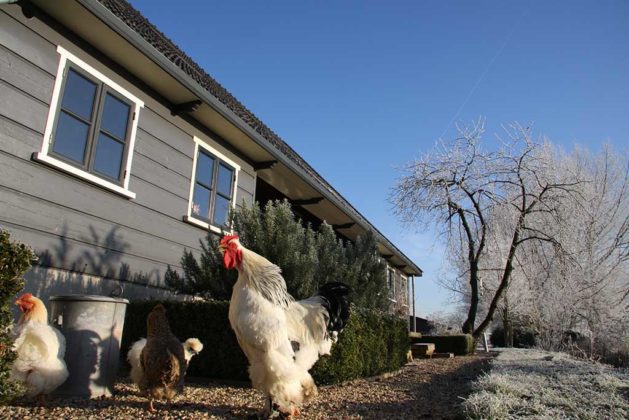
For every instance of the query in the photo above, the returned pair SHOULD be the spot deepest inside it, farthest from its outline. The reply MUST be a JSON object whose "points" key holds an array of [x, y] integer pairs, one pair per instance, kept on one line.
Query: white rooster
{"points": [[282, 338], [191, 347], [40, 350]]}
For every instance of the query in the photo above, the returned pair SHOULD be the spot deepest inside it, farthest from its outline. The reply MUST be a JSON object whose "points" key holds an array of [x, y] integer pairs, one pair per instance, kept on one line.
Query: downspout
{"points": [[408, 302], [414, 319]]}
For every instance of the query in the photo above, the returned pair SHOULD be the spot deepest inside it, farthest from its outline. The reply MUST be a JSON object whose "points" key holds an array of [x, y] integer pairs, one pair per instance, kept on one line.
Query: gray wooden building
{"points": [[117, 152]]}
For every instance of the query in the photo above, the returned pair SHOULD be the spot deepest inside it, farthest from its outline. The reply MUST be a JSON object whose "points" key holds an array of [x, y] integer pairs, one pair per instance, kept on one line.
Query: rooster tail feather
{"points": [[336, 301]]}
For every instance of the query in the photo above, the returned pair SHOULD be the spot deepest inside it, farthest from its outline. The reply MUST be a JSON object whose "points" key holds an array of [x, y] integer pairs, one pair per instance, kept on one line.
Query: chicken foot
{"points": [[271, 410], [150, 407], [276, 411]]}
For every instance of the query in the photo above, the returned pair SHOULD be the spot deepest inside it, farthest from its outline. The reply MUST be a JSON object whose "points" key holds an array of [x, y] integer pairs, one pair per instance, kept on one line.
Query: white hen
{"points": [[191, 347], [282, 338], [40, 349]]}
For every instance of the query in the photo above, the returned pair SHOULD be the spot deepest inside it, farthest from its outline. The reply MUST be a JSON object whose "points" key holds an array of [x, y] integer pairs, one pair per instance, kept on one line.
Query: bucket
{"points": [[92, 326]]}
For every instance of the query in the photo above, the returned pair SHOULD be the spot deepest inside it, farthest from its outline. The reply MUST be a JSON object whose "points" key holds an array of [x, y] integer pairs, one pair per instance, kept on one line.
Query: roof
{"points": [[149, 32], [134, 19]]}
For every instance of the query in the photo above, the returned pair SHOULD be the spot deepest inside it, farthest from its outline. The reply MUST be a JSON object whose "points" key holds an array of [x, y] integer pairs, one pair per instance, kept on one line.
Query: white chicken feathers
{"points": [[40, 350], [281, 338], [307, 325]]}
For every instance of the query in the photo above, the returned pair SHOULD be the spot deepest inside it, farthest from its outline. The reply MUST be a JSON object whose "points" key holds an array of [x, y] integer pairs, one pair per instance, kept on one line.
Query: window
{"points": [[212, 188], [91, 126], [391, 283]]}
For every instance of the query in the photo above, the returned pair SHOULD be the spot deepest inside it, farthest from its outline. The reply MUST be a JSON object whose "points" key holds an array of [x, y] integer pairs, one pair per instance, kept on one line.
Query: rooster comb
{"points": [[225, 239], [26, 296]]}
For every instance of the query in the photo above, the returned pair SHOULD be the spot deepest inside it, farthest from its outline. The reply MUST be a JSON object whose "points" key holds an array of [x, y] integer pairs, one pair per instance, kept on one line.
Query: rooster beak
{"points": [[222, 248], [20, 304]]}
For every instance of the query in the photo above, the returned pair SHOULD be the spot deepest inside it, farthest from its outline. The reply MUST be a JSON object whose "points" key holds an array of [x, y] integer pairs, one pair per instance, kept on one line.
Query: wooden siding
{"points": [[73, 224]]}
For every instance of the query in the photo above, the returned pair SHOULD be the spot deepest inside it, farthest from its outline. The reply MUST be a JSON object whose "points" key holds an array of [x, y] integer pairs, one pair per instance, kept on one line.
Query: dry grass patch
{"points": [[530, 383]]}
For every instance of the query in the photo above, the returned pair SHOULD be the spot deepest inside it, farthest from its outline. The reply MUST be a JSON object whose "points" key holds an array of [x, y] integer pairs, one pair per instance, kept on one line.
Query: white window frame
{"points": [[391, 283], [43, 155], [189, 217]]}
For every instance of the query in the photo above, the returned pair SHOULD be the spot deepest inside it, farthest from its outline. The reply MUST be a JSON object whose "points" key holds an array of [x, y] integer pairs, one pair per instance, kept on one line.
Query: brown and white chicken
{"points": [[40, 350], [162, 360], [191, 347]]}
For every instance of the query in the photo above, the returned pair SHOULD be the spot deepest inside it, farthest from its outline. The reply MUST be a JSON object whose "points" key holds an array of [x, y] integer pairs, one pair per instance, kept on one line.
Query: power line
{"points": [[484, 73]]}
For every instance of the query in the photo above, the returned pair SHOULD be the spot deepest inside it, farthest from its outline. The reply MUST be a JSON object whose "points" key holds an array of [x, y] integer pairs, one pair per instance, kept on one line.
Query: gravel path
{"points": [[421, 389]]}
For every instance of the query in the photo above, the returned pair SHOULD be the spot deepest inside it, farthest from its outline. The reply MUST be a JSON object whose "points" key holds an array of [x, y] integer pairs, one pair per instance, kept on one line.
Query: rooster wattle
{"points": [[282, 338]]}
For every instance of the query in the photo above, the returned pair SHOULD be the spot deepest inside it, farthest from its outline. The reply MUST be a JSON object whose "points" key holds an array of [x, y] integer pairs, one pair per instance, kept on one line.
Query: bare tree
{"points": [[461, 187], [583, 289]]}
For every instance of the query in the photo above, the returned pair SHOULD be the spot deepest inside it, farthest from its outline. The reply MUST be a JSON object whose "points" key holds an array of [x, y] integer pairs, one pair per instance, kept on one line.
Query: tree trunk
{"points": [[468, 325], [508, 334], [507, 326], [504, 282]]}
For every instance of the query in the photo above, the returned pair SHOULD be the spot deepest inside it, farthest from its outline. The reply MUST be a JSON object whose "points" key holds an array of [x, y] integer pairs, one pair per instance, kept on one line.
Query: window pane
{"points": [[71, 137], [108, 159], [221, 210], [78, 95], [205, 168], [224, 185], [115, 116], [201, 202]]}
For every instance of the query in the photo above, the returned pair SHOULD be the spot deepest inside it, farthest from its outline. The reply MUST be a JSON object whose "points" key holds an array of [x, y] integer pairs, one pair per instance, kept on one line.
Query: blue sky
{"points": [[358, 88]]}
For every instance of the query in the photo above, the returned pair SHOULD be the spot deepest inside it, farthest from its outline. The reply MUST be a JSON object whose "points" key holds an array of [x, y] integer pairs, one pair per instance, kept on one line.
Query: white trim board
{"points": [[43, 156], [189, 217]]}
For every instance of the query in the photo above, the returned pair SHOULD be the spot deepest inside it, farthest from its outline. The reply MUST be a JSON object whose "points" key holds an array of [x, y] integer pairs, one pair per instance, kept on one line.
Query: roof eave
{"points": [[121, 28]]}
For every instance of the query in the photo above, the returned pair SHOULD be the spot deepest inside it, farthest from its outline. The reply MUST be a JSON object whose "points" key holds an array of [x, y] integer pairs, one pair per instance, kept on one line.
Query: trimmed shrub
{"points": [[415, 337], [522, 338], [460, 344], [372, 342], [15, 259], [221, 357]]}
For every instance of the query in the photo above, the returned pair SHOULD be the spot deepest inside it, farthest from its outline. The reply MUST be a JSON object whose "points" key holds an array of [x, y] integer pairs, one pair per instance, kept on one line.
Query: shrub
{"points": [[308, 258], [617, 358], [206, 278], [372, 342], [415, 337], [497, 337], [221, 357], [15, 259], [522, 337], [460, 344]]}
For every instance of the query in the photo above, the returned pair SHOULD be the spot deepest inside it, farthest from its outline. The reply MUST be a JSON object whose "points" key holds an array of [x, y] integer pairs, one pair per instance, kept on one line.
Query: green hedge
{"points": [[15, 259], [522, 337], [460, 345], [221, 357], [372, 343]]}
